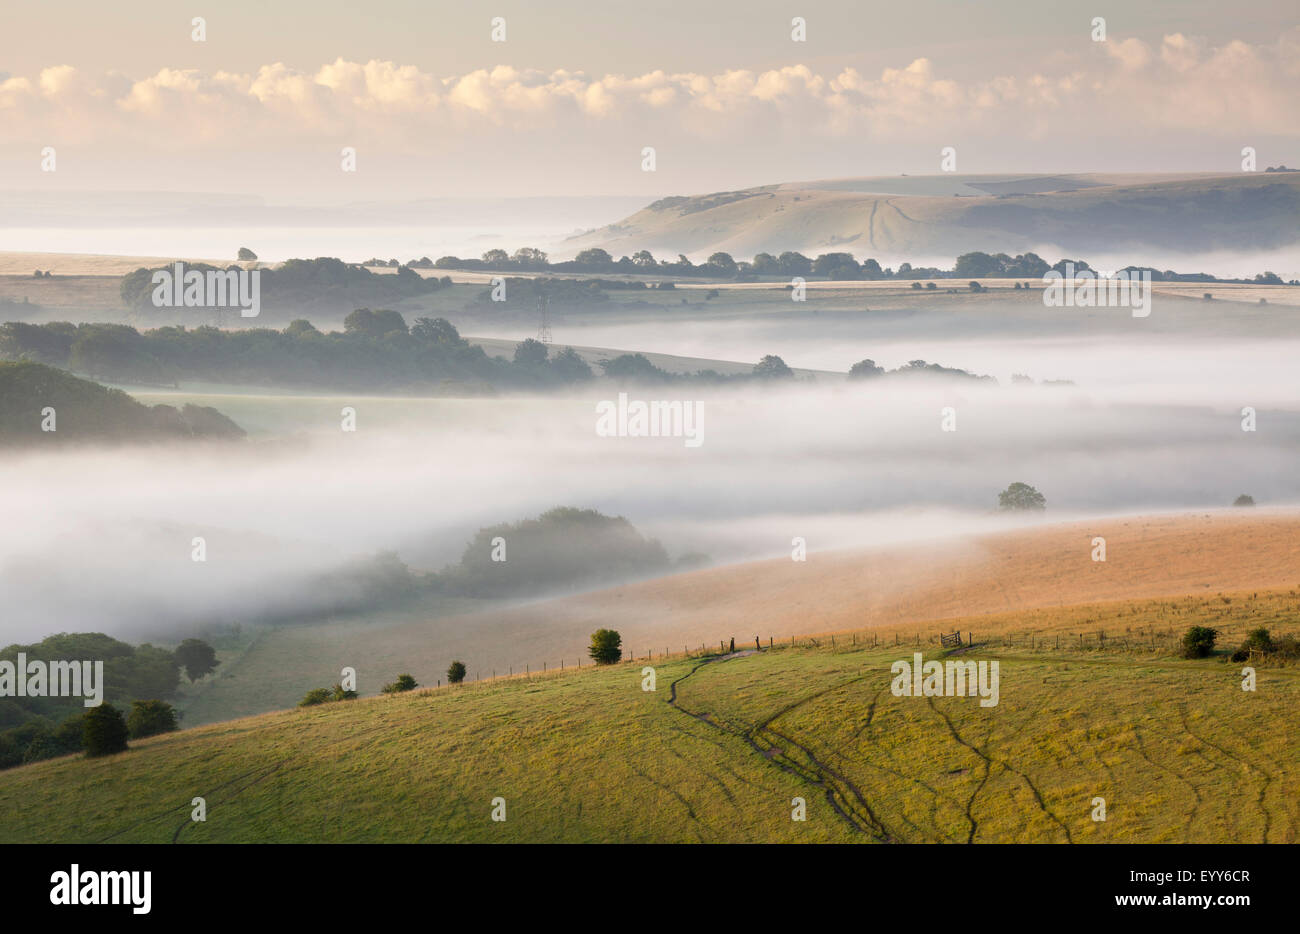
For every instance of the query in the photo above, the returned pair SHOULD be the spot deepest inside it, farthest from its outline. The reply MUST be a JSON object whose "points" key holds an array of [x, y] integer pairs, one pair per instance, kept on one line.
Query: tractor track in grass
{"points": [[257, 774], [845, 798], [1248, 766]]}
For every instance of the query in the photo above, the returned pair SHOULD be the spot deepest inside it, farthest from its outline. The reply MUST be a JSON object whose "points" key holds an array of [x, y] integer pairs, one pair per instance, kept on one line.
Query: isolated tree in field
{"points": [[1198, 642], [1021, 496], [150, 717], [606, 647], [196, 657], [456, 672], [104, 731], [403, 683], [246, 255], [1244, 500]]}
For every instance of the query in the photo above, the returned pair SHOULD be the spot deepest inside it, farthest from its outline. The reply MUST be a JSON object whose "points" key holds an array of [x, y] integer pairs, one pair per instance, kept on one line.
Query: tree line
{"points": [[836, 265]]}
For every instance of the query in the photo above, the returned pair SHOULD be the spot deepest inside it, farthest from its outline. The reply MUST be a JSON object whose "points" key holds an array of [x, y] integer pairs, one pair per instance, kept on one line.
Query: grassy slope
{"points": [[1005, 572], [1196, 213], [1177, 749]]}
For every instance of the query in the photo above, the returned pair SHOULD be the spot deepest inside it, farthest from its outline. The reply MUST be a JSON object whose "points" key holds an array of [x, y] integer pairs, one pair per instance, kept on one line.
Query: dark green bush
{"points": [[606, 647], [403, 683], [150, 717], [104, 731], [1198, 642], [316, 696], [455, 672]]}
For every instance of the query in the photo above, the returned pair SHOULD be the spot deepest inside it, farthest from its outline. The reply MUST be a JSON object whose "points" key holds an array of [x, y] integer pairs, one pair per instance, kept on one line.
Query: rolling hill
{"points": [[920, 216], [725, 747], [1011, 572], [84, 411]]}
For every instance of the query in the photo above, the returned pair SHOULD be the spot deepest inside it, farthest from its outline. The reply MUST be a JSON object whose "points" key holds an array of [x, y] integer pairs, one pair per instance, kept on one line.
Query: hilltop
{"points": [[86, 411], [947, 215]]}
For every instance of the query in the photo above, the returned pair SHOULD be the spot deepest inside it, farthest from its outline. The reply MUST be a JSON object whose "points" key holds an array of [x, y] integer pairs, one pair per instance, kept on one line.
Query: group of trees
{"points": [[719, 265], [137, 678], [326, 285], [86, 411], [837, 265], [376, 350], [564, 548]]}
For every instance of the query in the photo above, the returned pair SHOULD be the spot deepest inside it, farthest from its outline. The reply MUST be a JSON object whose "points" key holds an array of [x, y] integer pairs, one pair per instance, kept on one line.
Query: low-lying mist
{"points": [[102, 539]]}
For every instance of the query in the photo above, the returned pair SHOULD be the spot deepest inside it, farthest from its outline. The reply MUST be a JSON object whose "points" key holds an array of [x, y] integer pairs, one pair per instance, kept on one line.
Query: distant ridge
{"points": [[953, 214]]}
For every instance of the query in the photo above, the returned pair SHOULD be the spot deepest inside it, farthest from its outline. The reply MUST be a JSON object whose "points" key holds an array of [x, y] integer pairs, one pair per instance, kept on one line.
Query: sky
{"points": [[567, 104]]}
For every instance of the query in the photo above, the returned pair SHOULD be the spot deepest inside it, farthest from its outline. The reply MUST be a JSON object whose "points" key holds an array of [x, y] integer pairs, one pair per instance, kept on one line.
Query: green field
{"points": [[718, 751]]}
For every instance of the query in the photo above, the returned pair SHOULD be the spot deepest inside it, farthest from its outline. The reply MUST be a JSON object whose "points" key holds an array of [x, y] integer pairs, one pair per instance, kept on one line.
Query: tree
{"points": [[976, 264], [1244, 500], [794, 264], [104, 731], [196, 657], [496, 257], [772, 367], [456, 672], [527, 257], [594, 257], [301, 327], [837, 266], [246, 255], [366, 323], [435, 331], [403, 683], [606, 647], [530, 352], [865, 369], [337, 694], [1198, 641], [722, 264], [150, 717], [643, 258], [570, 367], [1021, 496]]}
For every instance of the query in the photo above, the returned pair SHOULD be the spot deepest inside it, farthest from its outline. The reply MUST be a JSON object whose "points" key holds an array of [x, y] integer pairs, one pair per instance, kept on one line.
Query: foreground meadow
{"points": [[725, 743]]}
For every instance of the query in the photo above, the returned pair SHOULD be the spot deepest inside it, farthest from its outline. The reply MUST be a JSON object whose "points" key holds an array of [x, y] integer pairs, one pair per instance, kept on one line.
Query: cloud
{"points": [[1212, 95], [1131, 77]]}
